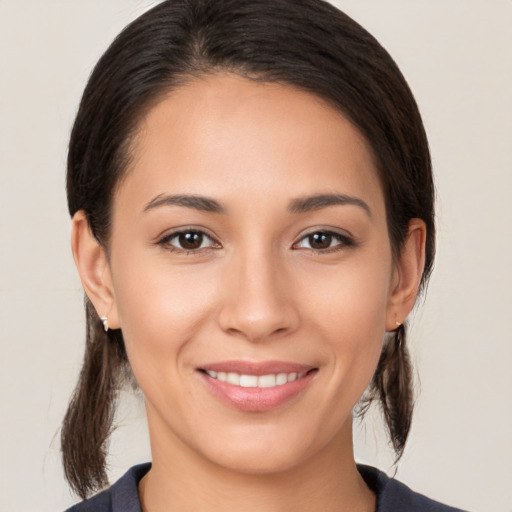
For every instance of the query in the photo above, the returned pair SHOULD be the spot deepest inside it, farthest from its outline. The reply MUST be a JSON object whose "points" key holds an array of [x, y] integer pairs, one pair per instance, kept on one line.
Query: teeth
{"points": [[266, 381], [254, 381], [248, 381], [233, 378], [281, 378]]}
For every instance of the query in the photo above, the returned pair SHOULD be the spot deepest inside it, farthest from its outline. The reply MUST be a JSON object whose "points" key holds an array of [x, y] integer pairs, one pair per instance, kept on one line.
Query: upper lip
{"points": [[256, 367]]}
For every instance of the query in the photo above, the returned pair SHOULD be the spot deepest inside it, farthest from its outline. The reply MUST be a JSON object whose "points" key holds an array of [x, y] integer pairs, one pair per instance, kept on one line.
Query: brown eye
{"points": [[320, 240], [324, 241], [190, 241]]}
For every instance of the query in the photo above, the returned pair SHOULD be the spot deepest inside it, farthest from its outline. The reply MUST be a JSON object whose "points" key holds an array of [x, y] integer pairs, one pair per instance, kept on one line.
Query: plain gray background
{"points": [[457, 56]]}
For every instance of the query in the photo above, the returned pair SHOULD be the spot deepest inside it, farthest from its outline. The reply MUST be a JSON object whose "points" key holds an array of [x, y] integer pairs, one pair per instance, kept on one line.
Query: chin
{"points": [[271, 449], [259, 461]]}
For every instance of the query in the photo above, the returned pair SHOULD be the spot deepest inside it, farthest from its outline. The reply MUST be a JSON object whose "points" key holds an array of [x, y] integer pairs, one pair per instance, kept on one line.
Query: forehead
{"points": [[224, 134]]}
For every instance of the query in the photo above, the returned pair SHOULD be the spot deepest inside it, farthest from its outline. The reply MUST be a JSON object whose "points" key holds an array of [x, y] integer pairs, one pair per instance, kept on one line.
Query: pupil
{"points": [[191, 240], [320, 240]]}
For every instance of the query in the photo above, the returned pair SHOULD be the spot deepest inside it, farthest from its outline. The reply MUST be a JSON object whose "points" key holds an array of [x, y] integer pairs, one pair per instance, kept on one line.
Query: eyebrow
{"points": [[299, 205], [317, 202], [201, 203]]}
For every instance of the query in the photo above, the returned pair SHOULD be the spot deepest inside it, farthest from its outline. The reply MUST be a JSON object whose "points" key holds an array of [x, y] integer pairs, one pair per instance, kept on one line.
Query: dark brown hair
{"points": [[308, 44]]}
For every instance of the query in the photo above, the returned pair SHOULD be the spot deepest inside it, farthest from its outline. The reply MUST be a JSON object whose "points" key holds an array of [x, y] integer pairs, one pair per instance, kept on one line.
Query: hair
{"points": [[307, 44]]}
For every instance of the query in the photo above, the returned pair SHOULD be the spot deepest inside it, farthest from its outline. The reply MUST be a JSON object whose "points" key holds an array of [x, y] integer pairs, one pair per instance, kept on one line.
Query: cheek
{"points": [[350, 313], [160, 308], [353, 298]]}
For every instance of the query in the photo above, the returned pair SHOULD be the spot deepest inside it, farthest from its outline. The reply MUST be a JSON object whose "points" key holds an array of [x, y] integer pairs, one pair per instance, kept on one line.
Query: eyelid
{"points": [[345, 240], [164, 240]]}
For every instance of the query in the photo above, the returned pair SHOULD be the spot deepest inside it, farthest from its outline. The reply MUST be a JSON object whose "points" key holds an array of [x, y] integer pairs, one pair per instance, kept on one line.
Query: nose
{"points": [[259, 302]]}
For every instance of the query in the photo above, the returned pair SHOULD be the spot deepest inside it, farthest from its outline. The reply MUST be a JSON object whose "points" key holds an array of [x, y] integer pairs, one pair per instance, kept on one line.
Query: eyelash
{"points": [[343, 242], [166, 242]]}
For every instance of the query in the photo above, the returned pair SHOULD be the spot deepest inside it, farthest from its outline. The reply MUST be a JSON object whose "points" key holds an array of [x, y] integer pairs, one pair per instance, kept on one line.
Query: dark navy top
{"points": [[392, 496]]}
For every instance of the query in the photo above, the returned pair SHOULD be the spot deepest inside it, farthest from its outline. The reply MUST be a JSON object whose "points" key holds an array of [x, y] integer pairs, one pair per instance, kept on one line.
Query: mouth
{"points": [[257, 387], [269, 380]]}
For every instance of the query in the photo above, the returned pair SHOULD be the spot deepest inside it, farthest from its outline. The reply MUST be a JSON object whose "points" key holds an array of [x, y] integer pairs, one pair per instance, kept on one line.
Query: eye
{"points": [[188, 240], [325, 241]]}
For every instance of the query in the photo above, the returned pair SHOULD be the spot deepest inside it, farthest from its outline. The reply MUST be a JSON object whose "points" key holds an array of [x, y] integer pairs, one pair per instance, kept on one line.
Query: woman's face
{"points": [[251, 272]]}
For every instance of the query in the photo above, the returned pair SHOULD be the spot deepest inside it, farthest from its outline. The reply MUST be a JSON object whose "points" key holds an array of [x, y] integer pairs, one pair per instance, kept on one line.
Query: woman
{"points": [[252, 203]]}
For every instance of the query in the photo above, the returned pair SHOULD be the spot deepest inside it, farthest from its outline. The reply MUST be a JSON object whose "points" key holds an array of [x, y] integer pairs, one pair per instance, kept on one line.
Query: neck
{"points": [[182, 480]]}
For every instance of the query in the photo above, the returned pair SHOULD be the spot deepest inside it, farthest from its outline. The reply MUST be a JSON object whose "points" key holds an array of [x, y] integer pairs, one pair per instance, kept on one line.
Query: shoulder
{"points": [[393, 496], [121, 497]]}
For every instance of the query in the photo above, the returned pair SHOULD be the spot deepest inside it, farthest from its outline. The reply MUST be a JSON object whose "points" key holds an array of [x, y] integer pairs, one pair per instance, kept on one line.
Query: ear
{"points": [[407, 275], [94, 269]]}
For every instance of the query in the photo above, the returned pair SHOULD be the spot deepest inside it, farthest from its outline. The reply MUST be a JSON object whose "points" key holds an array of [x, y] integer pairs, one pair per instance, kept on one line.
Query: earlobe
{"points": [[93, 267], [407, 275]]}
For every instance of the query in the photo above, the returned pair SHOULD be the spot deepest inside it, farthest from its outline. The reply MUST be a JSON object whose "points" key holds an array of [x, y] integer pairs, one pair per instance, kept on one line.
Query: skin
{"points": [[255, 290]]}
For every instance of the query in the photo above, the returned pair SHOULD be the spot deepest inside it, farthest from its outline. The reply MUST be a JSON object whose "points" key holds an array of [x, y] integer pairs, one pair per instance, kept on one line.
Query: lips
{"points": [[256, 387]]}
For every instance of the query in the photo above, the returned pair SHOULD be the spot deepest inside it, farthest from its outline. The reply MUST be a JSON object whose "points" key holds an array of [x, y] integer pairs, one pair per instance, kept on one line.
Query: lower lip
{"points": [[257, 399]]}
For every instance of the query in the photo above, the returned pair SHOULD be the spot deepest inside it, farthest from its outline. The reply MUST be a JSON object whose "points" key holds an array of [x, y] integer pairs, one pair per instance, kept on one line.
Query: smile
{"points": [[257, 387], [254, 381]]}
